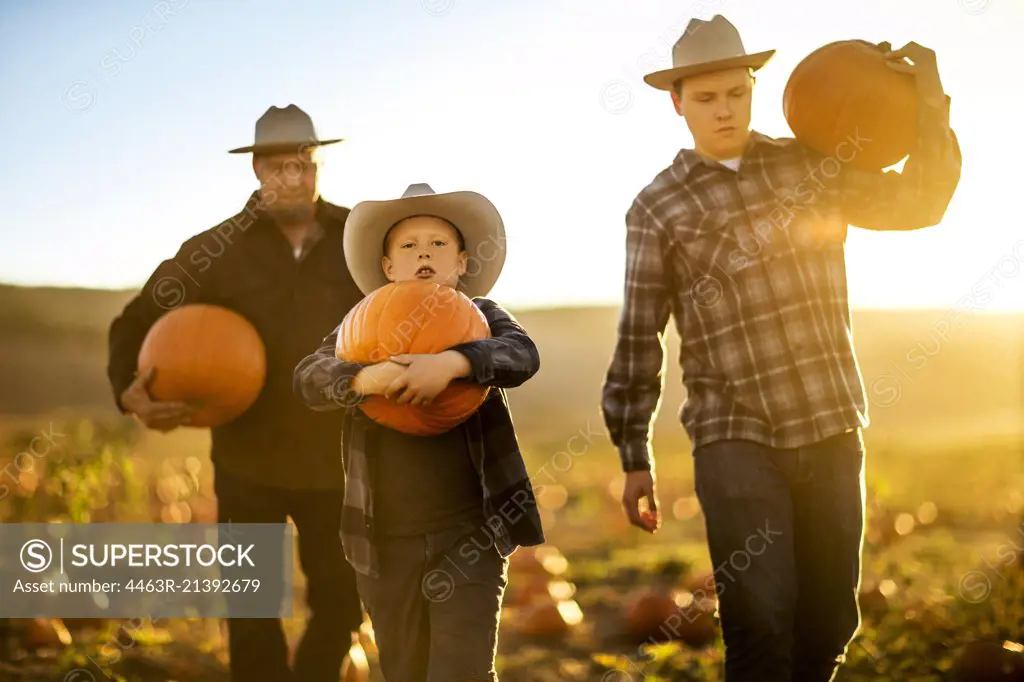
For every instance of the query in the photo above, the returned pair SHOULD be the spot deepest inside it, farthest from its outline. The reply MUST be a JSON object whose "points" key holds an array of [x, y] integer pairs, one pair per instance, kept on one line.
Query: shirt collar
{"points": [[689, 159]]}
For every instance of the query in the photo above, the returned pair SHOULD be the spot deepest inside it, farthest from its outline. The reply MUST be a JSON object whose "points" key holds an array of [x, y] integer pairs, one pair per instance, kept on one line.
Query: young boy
{"points": [[429, 522]]}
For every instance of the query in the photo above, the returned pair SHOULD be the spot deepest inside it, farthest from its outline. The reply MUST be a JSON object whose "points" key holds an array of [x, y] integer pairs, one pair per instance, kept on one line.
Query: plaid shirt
{"points": [[505, 360], [751, 266]]}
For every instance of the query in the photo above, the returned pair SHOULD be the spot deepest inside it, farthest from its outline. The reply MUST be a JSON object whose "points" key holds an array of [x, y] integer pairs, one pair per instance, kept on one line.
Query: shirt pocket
{"points": [[802, 228], [717, 263], [716, 246], [256, 295]]}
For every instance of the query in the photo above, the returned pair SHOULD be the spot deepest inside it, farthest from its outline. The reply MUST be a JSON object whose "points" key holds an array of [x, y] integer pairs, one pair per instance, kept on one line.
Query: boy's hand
{"points": [[375, 379], [425, 376]]}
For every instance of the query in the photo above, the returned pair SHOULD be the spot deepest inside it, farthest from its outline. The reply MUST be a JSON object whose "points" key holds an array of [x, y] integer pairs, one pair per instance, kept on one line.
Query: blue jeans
{"points": [[785, 531]]}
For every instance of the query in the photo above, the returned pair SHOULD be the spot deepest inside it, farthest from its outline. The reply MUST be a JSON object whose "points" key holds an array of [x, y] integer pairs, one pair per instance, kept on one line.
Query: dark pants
{"points": [[784, 531], [436, 605], [257, 646]]}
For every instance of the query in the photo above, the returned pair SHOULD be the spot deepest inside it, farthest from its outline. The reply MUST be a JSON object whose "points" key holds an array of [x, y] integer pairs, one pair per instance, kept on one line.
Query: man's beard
{"points": [[291, 215]]}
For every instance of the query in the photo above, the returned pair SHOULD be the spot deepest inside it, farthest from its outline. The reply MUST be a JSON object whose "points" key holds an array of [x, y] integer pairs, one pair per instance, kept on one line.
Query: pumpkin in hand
{"points": [[414, 317], [207, 356], [844, 102]]}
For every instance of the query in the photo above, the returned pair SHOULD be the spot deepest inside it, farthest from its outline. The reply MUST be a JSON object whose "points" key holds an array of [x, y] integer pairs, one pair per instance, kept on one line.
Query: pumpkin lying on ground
{"points": [[533, 588], [874, 600], [549, 617], [414, 317], [985, 661], [208, 356], [654, 616], [545, 560], [702, 585], [39, 633]]}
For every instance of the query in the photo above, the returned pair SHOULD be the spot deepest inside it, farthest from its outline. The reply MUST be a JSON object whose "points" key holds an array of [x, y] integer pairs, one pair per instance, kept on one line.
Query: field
{"points": [[943, 568]]}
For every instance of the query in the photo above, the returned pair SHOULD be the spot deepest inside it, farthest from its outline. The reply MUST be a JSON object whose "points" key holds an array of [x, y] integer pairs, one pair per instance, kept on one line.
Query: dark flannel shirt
{"points": [[247, 264], [751, 266], [505, 360]]}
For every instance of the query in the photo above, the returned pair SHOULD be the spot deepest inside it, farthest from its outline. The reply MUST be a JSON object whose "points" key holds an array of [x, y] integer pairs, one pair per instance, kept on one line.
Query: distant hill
{"points": [[53, 355]]}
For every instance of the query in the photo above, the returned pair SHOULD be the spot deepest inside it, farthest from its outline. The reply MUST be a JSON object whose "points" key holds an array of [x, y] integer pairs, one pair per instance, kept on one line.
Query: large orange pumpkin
{"points": [[414, 317], [844, 92], [206, 355]]}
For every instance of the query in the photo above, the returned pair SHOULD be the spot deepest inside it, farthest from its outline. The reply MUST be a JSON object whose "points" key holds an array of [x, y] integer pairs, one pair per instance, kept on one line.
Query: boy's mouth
{"points": [[425, 272]]}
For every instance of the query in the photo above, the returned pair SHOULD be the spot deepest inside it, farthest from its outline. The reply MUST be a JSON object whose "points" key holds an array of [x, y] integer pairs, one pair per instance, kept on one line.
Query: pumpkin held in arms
{"points": [[414, 317], [207, 356]]}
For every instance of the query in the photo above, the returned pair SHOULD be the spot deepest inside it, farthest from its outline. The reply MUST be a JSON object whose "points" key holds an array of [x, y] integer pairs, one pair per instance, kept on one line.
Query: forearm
{"points": [[505, 360], [917, 197], [125, 337], [628, 409], [932, 170], [632, 386], [165, 290], [323, 382]]}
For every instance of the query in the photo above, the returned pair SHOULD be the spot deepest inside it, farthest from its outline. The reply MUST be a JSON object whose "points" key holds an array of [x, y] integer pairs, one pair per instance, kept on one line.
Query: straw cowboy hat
{"points": [[283, 130], [472, 214], [706, 46]]}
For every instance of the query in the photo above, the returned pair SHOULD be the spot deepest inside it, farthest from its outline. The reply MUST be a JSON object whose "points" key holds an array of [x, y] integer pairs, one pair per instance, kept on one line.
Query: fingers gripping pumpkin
{"points": [[414, 317]]}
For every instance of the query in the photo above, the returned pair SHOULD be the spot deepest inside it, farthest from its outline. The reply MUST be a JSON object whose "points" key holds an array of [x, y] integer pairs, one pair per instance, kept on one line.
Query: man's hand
{"points": [[375, 379], [922, 66], [426, 376], [163, 416], [640, 484]]}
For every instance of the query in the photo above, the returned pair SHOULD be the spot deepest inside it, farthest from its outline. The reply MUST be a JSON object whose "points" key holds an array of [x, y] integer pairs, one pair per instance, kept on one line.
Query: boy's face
{"points": [[425, 248], [716, 107]]}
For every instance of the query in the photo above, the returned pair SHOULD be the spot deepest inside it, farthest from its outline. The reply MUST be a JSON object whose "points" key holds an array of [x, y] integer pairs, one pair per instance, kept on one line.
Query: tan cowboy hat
{"points": [[472, 214], [282, 130], [706, 46]]}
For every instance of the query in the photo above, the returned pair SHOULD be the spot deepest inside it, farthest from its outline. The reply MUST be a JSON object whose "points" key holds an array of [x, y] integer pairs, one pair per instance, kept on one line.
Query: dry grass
{"points": [[954, 437]]}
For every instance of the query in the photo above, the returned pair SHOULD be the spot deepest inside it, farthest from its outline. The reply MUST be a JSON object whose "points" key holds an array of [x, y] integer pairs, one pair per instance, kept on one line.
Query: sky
{"points": [[118, 117]]}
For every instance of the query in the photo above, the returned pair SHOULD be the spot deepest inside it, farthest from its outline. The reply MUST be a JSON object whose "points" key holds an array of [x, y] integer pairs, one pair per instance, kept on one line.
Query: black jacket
{"points": [[505, 360], [247, 264]]}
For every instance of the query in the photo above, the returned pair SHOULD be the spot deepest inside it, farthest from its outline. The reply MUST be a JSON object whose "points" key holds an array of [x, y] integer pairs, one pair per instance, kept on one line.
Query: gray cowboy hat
{"points": [[706, 46], [282, 130], [472, 214]]}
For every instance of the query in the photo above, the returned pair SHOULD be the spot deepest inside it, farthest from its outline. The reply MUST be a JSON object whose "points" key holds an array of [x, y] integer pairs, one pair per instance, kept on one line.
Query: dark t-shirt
{"points": [[424, 483]]}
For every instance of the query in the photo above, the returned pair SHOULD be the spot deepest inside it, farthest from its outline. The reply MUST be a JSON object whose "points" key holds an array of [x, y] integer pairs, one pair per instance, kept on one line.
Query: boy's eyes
{"points": [[436, 242]]}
